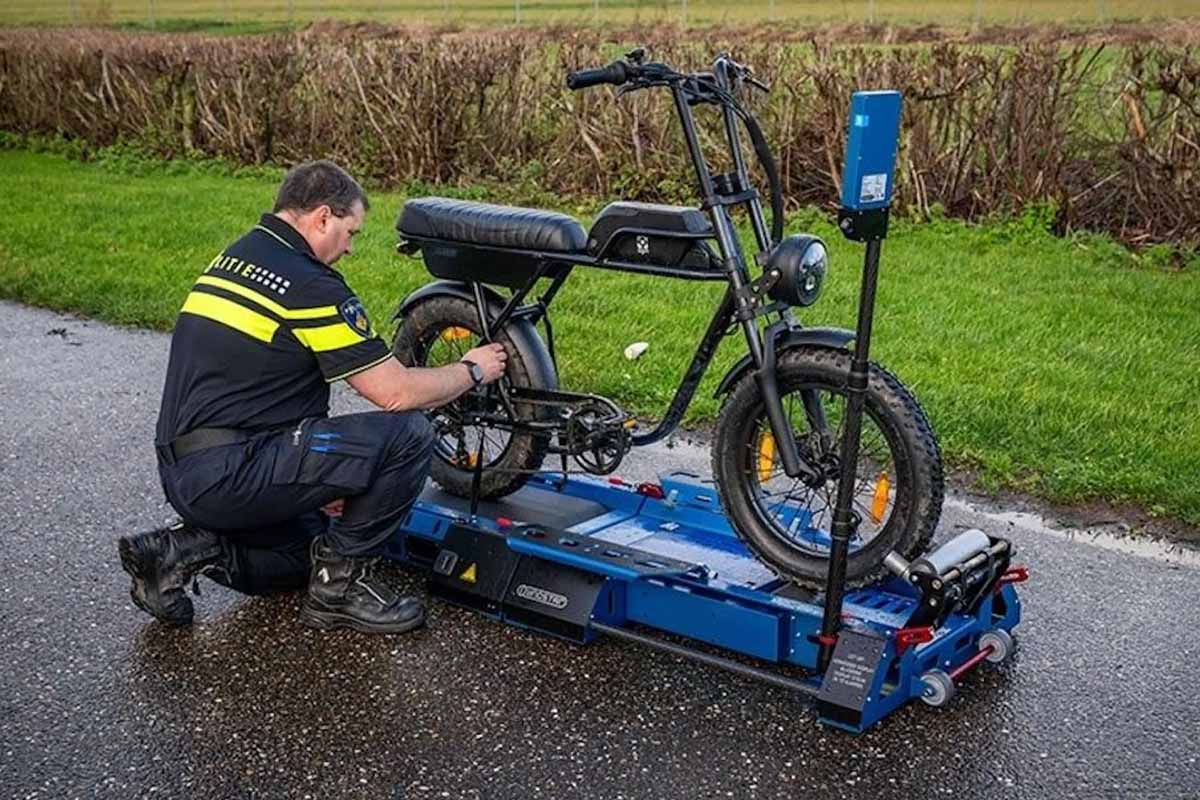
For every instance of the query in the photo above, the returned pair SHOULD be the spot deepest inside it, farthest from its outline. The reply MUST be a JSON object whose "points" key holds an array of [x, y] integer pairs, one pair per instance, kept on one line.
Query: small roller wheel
{"points": [[938, 688], [1001, 642]]}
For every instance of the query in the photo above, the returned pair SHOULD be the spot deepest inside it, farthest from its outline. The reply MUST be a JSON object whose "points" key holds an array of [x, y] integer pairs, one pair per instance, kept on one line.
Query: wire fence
{"points": [[171, 13]]}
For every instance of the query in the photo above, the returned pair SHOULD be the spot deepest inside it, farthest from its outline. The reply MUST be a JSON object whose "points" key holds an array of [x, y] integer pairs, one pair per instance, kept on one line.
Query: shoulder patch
{"points": [[355, 315]]}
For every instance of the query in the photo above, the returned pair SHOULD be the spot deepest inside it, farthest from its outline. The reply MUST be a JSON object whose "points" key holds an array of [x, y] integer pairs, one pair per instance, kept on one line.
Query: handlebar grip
{"points": [[615, 73]]}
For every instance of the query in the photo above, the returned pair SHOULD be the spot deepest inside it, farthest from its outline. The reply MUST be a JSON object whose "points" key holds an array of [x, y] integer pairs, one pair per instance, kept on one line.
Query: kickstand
{"points": [[562, 484], [477, 469], [485, 327]]}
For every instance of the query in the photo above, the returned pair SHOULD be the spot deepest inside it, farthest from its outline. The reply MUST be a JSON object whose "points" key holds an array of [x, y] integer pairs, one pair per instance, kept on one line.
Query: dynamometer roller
{"points": [[805, 560]]}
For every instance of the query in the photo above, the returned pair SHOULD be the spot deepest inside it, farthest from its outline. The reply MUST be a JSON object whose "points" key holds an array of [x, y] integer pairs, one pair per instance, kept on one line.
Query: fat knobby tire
{"points": [[909, 436], [525, 451]]}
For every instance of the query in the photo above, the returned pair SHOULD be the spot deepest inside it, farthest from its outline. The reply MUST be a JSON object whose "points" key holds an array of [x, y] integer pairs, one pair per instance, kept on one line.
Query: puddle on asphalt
{"points": [[1159, 549]]}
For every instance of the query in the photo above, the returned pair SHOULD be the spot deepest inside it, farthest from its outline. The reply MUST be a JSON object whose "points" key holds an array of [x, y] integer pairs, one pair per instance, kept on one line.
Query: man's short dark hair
{"points": [[319, 183]]}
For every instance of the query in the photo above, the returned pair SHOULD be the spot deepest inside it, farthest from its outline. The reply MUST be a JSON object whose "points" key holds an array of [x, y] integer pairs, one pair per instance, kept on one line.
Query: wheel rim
{"points": [[458, 444], [801, 516]]}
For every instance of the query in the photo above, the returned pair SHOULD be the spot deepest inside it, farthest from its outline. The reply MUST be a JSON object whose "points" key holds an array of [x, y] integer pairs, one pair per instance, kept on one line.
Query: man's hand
{"points": [[395, 387], [491, 358], [333, 509]]}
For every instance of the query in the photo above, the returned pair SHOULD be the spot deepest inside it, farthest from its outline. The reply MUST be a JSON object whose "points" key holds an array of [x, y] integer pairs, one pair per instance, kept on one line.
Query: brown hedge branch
{"points": [[1110, 136]]}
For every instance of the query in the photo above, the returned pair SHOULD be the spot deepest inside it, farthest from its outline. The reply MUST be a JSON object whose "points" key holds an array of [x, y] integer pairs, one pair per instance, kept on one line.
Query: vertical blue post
{"points": [[867, 179]]}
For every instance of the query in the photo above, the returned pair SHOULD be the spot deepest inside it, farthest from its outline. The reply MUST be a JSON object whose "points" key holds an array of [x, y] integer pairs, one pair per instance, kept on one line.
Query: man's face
{"points": [[332, 236]]}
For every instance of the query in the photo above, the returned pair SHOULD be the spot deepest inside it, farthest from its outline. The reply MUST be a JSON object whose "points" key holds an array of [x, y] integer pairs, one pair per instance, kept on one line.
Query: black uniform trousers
{"points": [[263, 496]]}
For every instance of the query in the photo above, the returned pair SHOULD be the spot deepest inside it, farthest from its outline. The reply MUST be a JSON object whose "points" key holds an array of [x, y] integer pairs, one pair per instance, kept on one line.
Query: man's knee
{"points": [[413, 435]]}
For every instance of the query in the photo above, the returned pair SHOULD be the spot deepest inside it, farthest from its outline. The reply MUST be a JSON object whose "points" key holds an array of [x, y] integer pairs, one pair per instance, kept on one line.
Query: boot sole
{"points": [[132, 557], [329, 620]]}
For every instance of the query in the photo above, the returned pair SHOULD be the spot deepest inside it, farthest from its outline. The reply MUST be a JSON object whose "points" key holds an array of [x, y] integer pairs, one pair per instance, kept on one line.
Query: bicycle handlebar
{"points": [[702, 87], [615, 73]]}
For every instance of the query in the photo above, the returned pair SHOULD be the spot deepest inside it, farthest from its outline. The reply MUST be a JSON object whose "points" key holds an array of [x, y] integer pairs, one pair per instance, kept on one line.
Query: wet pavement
{"points": [[97, 700]]}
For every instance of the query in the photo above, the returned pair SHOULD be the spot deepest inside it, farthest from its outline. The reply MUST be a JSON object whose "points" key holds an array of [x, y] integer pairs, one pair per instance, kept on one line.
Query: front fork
{"points": [[781, 427], [762, 350]]}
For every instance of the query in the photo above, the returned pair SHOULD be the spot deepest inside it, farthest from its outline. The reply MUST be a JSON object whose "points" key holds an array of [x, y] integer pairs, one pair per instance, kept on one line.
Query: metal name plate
{"points": [[857, 658]]}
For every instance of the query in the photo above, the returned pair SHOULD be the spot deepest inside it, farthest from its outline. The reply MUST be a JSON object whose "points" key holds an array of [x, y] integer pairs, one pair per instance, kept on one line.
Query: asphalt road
{"points": [[98, 700]]}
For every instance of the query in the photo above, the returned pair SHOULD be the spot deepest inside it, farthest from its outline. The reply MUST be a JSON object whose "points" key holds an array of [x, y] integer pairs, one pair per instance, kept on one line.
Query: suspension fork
{"points": [[762, 348], [781, 426]]}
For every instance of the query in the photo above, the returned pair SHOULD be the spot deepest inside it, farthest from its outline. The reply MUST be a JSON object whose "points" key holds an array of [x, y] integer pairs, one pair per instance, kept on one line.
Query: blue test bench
{"points": [[660, 565]]}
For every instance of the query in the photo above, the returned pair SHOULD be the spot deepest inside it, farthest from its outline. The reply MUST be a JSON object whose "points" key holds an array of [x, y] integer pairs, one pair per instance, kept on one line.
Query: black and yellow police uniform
{"points": [[245, 444]]}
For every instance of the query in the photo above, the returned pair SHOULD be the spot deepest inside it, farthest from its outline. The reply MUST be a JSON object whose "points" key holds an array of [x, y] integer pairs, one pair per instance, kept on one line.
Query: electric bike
{"points": [[775, 452]]}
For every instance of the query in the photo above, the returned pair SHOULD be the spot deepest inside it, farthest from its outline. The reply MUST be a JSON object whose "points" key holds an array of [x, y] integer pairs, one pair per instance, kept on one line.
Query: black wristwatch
{"points": [[475, 370]]}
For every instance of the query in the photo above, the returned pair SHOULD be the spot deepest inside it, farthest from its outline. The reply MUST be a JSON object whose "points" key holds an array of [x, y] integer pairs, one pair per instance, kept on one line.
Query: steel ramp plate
{"points": [[530, 503], [724, 557]]}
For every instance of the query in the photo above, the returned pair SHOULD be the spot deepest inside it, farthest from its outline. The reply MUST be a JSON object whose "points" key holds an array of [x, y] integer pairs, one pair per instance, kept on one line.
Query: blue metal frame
{"points": [[723, 596]]}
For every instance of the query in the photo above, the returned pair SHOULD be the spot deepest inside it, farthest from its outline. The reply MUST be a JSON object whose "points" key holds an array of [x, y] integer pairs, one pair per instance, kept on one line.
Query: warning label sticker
{"points": [[874, 188]]}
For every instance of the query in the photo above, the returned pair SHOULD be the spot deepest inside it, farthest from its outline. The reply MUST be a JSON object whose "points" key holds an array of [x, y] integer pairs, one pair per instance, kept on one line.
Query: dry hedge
{"points": [[1110, 136]]}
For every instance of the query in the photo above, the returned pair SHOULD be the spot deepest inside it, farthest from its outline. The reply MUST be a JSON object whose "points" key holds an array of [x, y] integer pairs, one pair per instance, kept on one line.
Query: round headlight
{"points": [[801, 261]]}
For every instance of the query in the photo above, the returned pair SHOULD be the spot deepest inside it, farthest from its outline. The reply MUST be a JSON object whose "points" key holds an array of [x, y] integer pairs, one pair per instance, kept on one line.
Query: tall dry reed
{"points": [[1110, 136]]}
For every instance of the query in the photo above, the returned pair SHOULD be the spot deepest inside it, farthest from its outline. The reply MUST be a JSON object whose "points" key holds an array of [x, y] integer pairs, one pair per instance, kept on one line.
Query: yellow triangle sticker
{"points": [[468, 575]]}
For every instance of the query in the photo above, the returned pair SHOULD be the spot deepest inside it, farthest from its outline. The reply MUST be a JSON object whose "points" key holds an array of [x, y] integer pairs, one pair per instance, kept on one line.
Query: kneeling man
{"points": [[247, 453]]}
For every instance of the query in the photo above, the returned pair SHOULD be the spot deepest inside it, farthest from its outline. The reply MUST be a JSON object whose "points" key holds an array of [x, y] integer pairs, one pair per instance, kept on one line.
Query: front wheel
{"points": [[786, 522]]}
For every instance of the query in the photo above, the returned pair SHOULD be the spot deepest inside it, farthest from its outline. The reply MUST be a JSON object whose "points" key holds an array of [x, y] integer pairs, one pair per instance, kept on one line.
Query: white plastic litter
{"points": [[635, 350]]}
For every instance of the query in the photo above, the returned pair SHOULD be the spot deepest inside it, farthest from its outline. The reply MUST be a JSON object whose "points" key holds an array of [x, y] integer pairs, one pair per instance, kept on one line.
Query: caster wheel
{"points": [[1001, 643], [939, 688]]}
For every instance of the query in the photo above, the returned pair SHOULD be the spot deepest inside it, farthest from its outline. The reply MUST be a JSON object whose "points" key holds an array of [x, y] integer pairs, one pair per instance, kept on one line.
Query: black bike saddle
{"points": [[491, 225]]}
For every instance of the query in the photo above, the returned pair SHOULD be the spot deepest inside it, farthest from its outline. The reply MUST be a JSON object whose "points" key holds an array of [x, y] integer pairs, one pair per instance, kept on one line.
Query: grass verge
{"points": [[1065, 368]]}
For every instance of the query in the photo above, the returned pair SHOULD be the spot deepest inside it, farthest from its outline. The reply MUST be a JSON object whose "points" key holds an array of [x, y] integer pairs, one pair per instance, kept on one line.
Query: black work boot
{"points": [[161, 562], [343, 594]]}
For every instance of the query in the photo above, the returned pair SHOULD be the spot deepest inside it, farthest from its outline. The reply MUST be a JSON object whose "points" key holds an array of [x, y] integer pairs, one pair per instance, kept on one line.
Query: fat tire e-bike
{"points": [[775, 451]]}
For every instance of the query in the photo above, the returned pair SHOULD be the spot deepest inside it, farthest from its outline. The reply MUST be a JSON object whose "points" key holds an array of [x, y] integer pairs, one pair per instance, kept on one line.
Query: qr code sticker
{"points": [[874, 188]]}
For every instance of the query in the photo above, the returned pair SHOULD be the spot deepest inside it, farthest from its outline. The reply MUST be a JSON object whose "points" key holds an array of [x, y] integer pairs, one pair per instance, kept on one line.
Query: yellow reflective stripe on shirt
{"points": [[266, 302], [328, 337], [230, 313]]}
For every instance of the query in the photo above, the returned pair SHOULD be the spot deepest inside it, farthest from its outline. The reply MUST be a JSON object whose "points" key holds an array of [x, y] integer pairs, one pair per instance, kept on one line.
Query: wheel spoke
{"points": [[463, 445], [780, 497]]}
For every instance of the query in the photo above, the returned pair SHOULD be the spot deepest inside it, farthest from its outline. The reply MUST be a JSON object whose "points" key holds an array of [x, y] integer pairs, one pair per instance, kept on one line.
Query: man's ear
{"points": [[323, 215]]}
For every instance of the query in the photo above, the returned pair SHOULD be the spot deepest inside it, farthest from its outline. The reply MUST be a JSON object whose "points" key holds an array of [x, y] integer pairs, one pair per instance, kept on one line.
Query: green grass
{"points": [[168, 13], [1062, 367]]}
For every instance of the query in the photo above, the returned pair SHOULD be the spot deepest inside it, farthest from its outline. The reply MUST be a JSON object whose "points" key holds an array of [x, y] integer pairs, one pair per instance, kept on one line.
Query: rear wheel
{"points": [[439, 331], [786, 522]]}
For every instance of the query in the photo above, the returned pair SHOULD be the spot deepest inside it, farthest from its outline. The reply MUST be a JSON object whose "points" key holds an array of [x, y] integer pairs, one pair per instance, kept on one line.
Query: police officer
{"points": [[247, 453]]}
